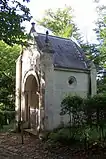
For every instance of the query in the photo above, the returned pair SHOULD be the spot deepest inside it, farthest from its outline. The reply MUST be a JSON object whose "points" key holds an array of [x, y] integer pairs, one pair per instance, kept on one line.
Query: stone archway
{"points": [[32, 100]]}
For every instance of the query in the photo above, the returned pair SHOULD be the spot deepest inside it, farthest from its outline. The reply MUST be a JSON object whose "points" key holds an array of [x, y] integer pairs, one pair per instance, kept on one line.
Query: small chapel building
{"points": [[46, 71]]}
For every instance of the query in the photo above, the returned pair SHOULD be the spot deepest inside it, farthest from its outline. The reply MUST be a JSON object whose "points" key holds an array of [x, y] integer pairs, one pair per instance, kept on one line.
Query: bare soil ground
{"points": [[33, 148]]}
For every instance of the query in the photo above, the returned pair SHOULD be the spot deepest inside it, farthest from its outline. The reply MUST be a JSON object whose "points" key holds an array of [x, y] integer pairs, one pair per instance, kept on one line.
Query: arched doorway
{"points": [[31, 95]]}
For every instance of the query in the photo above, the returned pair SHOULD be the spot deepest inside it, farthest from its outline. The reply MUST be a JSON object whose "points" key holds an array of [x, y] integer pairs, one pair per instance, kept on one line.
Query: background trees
{"points": [[100, 31], [12, 14], [60, 22], [8, 56]]}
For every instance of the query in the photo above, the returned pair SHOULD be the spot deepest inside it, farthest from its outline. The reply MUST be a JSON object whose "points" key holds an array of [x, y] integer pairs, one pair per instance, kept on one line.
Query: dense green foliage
{"points": [[101, 36], [60, 22], [71, 105], [92, 52], [97, 52], [6, 117], [100, 31], [8, 56], [12, 14]]}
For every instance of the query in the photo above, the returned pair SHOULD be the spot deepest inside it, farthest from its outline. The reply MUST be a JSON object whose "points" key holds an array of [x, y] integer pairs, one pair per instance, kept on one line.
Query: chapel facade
{"points": [[46, 71]]}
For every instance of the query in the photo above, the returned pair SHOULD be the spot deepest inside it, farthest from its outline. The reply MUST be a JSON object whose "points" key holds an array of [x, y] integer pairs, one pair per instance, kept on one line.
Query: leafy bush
{"points": [[95, 111], [63, 136], [72, 105], [9, 116], [80, 136], [87, 118], [6, 117]]}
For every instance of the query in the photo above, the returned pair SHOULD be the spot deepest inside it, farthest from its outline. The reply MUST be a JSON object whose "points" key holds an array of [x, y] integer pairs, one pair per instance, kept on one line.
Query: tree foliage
{"points": [[8, 56], [92, 53], [101, 31], [12, 14], [96, 52], [71, 105], [60, 22]]}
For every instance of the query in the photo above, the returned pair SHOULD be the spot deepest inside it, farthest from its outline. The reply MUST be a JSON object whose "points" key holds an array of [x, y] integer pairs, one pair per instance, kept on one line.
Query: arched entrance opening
{"points": [[31, 94]]}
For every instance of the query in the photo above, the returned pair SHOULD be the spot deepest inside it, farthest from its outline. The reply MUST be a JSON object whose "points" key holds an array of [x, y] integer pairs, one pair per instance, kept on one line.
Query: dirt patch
{"points": [[33, 148]]}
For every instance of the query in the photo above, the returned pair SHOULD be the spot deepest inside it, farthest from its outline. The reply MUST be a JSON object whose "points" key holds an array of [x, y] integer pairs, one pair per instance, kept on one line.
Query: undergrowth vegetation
{"points": [[87, 121], [6, 117]]}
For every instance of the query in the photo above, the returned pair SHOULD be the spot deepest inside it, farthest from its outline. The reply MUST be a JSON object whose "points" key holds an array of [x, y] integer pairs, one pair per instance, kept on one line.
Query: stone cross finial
{"points": [[33, 27], [47, 39], [48, 47], [32, 30]]}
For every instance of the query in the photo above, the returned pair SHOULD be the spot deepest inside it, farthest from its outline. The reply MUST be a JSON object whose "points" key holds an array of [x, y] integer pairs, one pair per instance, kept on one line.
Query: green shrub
{"points": [[6, 117], [9, 116], [63, 136], [87, 118], [95, 110], [80, 136], [72, 105]]}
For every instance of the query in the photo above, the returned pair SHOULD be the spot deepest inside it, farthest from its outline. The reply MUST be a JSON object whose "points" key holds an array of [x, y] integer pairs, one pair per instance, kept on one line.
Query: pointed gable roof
{"points": [[67, 54]]}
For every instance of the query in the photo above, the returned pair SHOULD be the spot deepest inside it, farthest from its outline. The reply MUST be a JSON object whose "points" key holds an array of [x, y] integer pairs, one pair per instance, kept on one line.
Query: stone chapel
{"points": [[48, 69]]}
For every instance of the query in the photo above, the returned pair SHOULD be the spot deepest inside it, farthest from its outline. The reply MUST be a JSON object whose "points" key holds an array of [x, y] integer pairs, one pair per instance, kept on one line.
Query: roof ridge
{"points": [[56, 37]]}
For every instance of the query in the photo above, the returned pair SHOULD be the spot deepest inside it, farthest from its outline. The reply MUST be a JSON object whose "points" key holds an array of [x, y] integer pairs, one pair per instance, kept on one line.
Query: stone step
{"points": [[31, 131]]}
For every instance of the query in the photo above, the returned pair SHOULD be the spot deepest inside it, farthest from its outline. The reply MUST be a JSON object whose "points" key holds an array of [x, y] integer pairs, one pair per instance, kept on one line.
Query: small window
{"points": [[72, 81]]}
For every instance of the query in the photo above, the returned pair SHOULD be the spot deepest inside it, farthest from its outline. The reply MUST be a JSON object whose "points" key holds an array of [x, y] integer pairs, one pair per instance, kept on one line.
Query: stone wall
{"points": [[62, 87]]}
